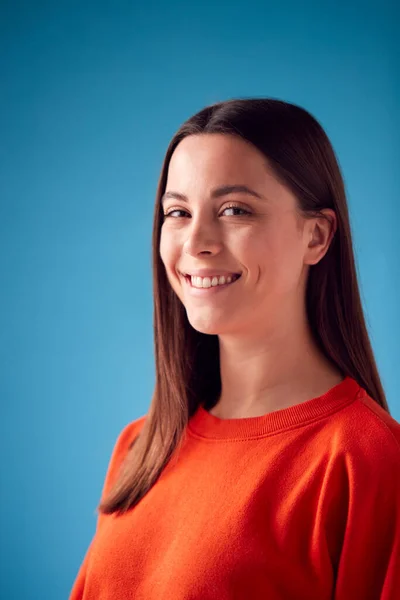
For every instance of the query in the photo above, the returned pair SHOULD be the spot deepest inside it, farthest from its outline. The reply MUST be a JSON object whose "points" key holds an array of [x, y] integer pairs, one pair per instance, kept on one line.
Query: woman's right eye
{"points": [[176, 210]]}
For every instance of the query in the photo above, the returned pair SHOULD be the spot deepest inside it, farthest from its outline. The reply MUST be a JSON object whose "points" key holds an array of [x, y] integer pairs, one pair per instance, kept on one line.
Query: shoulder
{"points": [[126, 437], [381, 420], [367, 437], [379, 431], [122, 445]]}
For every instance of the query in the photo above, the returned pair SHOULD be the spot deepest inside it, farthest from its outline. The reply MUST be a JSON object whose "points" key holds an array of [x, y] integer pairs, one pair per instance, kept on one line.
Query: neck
{"points": [[270, 370]]}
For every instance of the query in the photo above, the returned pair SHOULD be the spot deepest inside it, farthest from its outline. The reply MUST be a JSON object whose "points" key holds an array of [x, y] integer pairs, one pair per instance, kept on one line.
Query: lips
{"points": [[208, 289], [209, 273], [234, 277]]}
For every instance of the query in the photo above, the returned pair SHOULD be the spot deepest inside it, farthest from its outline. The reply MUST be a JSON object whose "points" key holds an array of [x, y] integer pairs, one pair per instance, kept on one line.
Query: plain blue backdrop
{"points": [[91, 94]]}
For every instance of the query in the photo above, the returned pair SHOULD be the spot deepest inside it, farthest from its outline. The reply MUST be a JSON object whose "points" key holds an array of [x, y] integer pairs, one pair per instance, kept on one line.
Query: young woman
{"points": [[268, 465]]}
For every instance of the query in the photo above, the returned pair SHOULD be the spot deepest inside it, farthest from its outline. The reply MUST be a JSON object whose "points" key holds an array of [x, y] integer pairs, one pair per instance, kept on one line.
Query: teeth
{"points": [[206, 282]]}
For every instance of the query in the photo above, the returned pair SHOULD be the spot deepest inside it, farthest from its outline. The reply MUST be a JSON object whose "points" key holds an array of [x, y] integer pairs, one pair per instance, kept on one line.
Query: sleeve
{"points": [[369, 564], [119, 452], [79, 583]]}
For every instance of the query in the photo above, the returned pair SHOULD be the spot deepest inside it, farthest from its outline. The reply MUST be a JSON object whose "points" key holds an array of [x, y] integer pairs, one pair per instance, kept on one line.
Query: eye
{"points": [[236, 207], [231, 207], [174, 210]]}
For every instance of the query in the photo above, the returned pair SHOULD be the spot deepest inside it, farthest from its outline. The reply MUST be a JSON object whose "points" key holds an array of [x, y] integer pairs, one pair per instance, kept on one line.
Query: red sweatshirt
{"points": [[298, 504]]}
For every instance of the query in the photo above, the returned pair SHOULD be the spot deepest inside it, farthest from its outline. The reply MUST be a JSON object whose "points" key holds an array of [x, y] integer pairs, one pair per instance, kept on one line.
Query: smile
{"points": [[207, 282], [209, 285]]}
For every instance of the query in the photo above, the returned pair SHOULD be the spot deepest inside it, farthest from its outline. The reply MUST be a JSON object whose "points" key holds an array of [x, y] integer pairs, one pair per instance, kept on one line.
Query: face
{"points": [[260, 236]]}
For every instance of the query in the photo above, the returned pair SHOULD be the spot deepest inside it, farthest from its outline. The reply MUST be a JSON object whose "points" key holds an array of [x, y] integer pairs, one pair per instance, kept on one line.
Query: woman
{"points": [[268, 465]]}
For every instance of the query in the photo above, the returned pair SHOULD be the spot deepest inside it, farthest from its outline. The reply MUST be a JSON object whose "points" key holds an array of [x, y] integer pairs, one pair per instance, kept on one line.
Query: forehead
{"points": [[204, 162], [216, 156]]}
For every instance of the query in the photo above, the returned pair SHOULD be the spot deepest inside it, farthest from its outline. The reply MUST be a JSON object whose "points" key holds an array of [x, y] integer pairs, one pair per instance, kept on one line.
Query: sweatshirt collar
{"points": [[204, 424]]}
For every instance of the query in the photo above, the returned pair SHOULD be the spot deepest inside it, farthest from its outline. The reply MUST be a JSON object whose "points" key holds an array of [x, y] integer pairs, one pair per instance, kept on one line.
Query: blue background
{"points": [[91, 94]]}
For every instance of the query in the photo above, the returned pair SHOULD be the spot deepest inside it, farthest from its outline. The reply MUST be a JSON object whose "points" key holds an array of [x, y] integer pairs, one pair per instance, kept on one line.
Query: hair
{"points": [[187, 361]]}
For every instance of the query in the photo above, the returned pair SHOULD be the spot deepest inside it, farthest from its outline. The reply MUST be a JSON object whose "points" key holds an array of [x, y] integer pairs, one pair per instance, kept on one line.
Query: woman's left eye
{"points": [[234, 207]]}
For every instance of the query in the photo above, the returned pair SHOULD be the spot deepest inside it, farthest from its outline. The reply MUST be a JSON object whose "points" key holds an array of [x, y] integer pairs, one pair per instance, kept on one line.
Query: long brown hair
{"points": [[187, 361]]}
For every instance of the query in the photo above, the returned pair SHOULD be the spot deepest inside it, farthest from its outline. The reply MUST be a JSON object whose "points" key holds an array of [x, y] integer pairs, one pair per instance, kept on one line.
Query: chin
{"points": [[207, 326]]}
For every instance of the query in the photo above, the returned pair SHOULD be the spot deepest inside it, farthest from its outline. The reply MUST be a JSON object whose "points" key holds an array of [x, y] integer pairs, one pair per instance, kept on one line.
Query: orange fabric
{"points": [[301, 503]]}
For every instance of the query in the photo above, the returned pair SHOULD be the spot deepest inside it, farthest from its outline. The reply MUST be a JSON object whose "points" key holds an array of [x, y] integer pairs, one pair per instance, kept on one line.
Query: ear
{"points": [[320, 234]]}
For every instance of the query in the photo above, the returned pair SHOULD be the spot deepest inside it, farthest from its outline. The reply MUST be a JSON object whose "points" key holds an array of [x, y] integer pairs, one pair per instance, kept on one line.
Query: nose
{"points": [[202, 238]]}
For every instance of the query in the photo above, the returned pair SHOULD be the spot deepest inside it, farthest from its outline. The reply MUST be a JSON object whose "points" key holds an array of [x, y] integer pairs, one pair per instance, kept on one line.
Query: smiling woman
{"points": [[269, 242], [268, 465]]}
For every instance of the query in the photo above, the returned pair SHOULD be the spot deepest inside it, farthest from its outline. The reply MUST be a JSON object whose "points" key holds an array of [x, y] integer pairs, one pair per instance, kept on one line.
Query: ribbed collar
{"points": [[206, 425]]}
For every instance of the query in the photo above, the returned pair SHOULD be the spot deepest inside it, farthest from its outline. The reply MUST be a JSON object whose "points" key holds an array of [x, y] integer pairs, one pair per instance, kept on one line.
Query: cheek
{"points": [[169, 256], [287, 261], [276, 256], [168, 251], [260, 250]]}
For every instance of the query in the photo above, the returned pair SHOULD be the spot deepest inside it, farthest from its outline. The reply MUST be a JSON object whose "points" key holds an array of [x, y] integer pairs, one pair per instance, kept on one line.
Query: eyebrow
{"points": [[216, 193]]}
